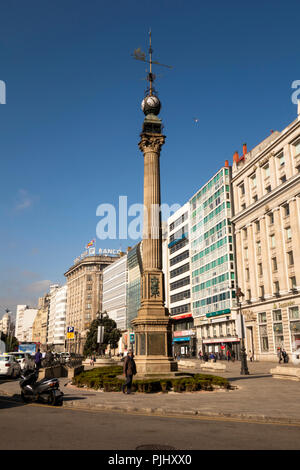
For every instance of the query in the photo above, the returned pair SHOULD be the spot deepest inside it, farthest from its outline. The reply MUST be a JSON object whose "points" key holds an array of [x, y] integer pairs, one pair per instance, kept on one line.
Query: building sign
{"points": [[220, 312], [70, 332], [132, 337], [183, 333], [108, 251], [181, 316], [221, 340], [186, 338]]}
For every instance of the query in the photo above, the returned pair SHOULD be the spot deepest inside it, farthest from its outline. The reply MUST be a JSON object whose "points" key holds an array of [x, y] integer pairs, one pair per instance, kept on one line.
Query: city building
{"points": [[178, 292], [25, 317], [212, 265], [57, 318], [134, 275], [114, 293], [6, 324], [266, 188], [84, 300], [40, 324]]}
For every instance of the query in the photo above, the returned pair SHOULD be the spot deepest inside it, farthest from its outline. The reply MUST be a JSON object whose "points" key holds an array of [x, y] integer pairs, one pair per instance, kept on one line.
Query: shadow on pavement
{"points": [[10, 401], [246, 377]]}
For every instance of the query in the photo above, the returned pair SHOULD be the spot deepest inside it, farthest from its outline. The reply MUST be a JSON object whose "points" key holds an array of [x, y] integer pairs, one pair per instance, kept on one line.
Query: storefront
{"points": [[184, 343], [184, 338], [220, 346]]}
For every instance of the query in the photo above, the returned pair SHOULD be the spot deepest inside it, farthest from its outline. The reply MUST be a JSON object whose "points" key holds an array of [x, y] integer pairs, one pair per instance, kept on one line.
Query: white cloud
{"points": [[24, 200]]}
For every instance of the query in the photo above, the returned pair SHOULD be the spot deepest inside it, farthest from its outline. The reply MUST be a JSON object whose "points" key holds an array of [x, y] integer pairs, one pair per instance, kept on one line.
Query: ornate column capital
{"points": [[150, 143]]}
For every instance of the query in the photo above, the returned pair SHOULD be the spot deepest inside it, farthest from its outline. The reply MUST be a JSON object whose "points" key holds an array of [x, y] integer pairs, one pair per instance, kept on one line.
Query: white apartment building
{"points": [[114, 291], [178, 293], [25, 317], [57, 317]]}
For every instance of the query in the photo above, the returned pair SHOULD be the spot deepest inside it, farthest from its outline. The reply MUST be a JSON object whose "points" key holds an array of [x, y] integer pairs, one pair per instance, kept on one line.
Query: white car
{"points": [[9, 366], [24, 359]]}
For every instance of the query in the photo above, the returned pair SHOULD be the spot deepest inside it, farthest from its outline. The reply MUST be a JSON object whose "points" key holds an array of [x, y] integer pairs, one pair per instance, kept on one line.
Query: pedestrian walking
{"points": [[92, 361], [228, 355], [38, 360], [129, 370], [279, 355], [251, 356], [285, 356], [233, 356], [200, 355]]}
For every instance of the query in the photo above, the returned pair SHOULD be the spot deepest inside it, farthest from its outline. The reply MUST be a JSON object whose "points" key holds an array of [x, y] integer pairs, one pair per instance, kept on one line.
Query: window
{"points": [[261, 292], [294, 313], [276, 288], [266, 169], [245, 233], [268, 189], [253, 180], [257, 226], [246, 253], [288, 232], [260, 269], [247, 274], [242, 189], [286, 210], [297, 147], [258, 248], [248, 297], [293, 283], [272, 241], [281, 159], [277, 315], [263, 332], [283, 179], [255, 198], [262, 317], [290, 258], [271, 218], [277, 328], [274, 263]]}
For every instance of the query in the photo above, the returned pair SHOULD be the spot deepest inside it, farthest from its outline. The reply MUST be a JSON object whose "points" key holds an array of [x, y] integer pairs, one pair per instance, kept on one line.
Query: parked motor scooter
{"points": [[45, 391]]}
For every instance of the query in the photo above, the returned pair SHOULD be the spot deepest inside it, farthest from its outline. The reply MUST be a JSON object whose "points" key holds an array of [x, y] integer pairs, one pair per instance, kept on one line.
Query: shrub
{"points": [[106, 377]]}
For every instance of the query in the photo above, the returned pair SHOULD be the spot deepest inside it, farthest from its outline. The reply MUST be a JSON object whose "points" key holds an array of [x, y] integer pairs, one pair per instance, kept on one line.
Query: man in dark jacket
{"points": [[129, 369], [38, 359]]}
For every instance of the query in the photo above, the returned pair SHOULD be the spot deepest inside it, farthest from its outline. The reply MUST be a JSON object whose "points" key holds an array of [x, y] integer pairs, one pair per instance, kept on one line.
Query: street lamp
{"points": [[244, 367]]}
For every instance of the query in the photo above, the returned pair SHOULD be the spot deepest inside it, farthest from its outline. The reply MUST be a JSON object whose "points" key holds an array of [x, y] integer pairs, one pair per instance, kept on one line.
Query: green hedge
{"points": [[106, 378]]}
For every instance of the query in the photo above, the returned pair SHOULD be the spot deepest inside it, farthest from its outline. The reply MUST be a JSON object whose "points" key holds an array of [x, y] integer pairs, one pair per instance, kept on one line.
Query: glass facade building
{"points": [[212, 265]]}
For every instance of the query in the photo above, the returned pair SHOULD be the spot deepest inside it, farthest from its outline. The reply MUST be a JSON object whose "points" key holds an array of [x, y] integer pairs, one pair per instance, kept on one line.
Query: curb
{"points": [[170, 412], [185, 413]]}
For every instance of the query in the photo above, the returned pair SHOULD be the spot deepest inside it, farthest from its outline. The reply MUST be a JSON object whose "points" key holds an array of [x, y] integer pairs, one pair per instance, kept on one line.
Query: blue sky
{"points": [[70, 128]]}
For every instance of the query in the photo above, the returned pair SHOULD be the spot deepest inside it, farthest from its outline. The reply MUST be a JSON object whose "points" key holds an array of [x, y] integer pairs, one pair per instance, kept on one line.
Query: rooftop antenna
{"points": [[140, 55]]}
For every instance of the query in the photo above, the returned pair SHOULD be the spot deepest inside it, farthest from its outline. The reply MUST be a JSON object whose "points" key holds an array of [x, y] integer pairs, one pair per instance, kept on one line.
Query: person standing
{"points": [[38, 360], [228, 355], [279, 355], [129, 370]]}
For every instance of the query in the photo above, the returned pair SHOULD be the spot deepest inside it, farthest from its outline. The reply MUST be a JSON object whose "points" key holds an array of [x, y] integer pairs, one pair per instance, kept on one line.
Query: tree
{"points": [[111, 336], [11, 343]]}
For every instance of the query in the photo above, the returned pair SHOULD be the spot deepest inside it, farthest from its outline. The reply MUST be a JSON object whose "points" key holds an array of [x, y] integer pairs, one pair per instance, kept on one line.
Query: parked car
{"points": [[9, 366], [25, 360]]}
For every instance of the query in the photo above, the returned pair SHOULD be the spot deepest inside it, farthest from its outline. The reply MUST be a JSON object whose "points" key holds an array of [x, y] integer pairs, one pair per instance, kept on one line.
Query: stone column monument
{"points": [[152, 326]]}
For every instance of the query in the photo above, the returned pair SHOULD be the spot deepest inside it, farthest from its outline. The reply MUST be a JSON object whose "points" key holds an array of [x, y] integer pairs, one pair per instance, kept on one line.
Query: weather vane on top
{"points": [[140, 55]]}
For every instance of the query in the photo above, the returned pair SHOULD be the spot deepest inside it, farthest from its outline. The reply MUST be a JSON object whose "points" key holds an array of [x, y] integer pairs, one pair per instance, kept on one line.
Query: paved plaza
{"points": [[257, 397]]}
